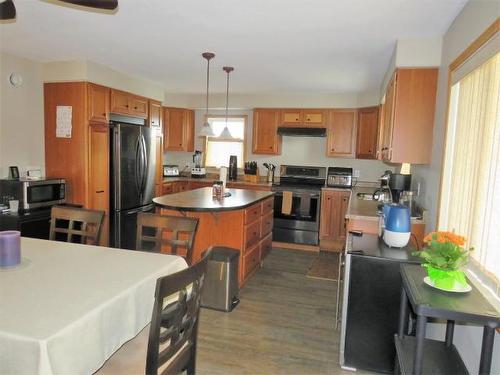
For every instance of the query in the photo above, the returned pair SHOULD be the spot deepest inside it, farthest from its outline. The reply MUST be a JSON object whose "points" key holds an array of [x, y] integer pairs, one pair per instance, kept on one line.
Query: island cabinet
{"points": [[408, 116], [334, 205], [341, 137], [243, 221], [367, 133], [265, 138], [178, 125]]}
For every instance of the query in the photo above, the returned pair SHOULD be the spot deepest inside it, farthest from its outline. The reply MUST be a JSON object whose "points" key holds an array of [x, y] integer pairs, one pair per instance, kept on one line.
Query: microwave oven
{"points": [[34, 193]]}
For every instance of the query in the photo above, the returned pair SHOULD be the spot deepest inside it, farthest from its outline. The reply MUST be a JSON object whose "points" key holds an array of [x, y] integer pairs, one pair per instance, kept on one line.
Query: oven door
{"points": [[304, 214]]}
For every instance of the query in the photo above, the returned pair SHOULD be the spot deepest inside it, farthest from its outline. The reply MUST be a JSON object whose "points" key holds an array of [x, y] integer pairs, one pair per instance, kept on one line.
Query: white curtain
{"points": [[470, 196]]}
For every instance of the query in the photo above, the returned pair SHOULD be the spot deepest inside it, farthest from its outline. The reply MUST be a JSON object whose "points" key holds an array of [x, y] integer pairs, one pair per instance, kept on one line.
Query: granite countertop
{"points": [[202, 200], [212, 179]]}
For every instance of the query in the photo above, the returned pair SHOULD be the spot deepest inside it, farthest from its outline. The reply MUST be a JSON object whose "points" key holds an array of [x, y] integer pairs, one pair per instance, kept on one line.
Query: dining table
{"points": [[66, 308]]}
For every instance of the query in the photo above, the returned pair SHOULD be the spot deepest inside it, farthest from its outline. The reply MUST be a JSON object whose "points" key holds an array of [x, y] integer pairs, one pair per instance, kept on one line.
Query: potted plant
{"points": [[444, 255]]}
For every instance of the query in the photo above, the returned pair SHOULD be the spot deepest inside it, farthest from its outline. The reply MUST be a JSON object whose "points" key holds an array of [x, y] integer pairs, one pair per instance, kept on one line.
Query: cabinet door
{"points": [[155, 115], [188, 130], [367, 133], [120, 102], [291, 117], [139, 106], [99, 174], [390, 98], [265, 138], [173, 124], [341, 133], [167, 188], [98, 99], [315, 117], [326, 229], [341, 224]]}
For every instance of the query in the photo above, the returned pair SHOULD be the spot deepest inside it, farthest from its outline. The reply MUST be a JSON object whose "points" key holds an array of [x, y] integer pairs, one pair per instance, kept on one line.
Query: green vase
{"points": [[446, 279]]}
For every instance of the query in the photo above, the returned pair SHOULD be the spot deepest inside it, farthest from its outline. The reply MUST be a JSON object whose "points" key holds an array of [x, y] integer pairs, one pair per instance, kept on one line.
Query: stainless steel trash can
{"points": [[220, 291]]}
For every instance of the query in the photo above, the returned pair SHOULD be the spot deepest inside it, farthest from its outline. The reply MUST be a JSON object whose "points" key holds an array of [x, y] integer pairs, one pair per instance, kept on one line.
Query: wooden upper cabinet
{"points": [[409, 116], [367, 133], [98, 99], [120, 102], [155, 114], [291, 117], [128, 104], [265, 139], [303, 117], [341, 133], [178, 129], [139, 106], [315, 117]]}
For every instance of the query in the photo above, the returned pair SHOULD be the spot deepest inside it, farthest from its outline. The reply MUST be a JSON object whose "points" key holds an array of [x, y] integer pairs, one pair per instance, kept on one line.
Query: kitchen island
{"points": [[242, 221]]}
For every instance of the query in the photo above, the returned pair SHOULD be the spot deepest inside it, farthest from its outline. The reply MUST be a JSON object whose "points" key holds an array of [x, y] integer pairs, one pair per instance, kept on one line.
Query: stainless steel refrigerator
{"points": [[133, 158]]}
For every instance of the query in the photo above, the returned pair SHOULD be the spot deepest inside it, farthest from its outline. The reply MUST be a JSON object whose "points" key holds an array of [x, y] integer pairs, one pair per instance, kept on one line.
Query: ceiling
{"points": [[276, 46]]}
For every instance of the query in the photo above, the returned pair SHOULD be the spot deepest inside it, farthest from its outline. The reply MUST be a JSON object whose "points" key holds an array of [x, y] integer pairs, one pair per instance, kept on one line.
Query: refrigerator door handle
{"points": [[144, 164], [137, 166]]}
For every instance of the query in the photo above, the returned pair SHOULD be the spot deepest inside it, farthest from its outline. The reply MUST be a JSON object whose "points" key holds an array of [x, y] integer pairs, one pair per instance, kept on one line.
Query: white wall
{"points": [[295, 150], [469, 24], [21, 115]]}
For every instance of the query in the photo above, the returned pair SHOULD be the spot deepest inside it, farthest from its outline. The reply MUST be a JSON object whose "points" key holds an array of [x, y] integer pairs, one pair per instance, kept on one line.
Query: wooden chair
{"points": [[151, 229], [70, 224], [174, 323]]}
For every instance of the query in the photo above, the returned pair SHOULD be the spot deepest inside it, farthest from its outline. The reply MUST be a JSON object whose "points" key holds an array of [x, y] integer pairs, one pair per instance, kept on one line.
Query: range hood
{"points": [[302, 132]]}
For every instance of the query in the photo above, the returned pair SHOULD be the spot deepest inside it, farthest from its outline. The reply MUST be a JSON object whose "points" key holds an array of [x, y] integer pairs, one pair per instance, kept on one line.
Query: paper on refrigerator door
{"points": [[64, 116]]}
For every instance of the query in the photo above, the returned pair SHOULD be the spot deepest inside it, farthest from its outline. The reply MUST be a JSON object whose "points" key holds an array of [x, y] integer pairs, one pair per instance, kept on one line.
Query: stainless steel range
{"points": [[297, 204]]}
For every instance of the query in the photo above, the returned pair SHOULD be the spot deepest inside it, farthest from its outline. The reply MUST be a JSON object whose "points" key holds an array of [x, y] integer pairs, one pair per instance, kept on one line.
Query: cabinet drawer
{"points": [[251, 261], [167, 189], [267, 205], [266, 245], [266, 224], [252, 234], [252, 213]]}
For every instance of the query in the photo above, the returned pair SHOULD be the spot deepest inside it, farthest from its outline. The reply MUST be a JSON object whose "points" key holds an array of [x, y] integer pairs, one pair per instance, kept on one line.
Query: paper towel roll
{"points": [[223, 176]]}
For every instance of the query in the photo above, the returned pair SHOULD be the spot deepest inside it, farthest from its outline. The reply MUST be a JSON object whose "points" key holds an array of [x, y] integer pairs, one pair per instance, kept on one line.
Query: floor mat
{"points": [[324, 266]]}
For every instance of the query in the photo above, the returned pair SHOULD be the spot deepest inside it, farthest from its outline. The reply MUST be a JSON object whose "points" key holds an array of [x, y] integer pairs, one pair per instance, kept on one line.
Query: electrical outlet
{"points": [[356, 173]]}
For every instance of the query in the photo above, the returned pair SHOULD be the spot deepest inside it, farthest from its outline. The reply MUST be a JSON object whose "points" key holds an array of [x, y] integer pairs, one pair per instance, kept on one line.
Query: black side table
{"points": [[418, 355]]}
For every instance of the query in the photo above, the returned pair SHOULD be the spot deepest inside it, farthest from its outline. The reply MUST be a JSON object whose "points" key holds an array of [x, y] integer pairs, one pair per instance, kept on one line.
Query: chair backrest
{"points": [[174, 322], [70, 224], [153, 233]]}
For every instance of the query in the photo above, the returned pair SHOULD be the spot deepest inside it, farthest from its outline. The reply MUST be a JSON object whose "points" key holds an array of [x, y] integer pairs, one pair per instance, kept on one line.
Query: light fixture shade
{"points": [[206, 130], [225, 135]]}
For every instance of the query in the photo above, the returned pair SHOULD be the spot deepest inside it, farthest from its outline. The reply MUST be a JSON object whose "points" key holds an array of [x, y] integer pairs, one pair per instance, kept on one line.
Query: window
{"points": [[218, 151], [470, 190]]}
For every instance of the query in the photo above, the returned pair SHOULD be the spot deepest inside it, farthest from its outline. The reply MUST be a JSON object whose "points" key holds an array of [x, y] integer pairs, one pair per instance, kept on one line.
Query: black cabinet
{"points": [[34, 224]]}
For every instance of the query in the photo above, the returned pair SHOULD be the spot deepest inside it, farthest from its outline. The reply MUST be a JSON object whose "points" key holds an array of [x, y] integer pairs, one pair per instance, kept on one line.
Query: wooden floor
{"points": [[283, 325]]}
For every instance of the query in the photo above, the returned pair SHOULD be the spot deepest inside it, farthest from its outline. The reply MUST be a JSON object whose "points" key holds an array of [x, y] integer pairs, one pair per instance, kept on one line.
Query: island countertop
{"points": [[201, 200]]}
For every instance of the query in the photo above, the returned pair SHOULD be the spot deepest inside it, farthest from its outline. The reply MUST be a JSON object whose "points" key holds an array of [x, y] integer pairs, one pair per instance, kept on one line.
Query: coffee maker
{"points": [[197, 171], [398, 183]]}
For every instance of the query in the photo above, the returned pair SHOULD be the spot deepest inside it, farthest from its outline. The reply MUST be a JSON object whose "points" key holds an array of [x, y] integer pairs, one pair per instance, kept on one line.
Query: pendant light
{"points": [[206, 129], [226, 134]]}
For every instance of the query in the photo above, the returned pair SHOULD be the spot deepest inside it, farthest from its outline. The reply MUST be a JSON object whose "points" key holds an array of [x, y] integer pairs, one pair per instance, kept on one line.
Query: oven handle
{"points": [[295, 194]]}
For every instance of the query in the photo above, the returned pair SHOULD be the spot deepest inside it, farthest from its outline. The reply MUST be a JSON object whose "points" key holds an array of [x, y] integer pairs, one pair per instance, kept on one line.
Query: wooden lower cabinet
{"points": [[334, 205], [232, 229]]}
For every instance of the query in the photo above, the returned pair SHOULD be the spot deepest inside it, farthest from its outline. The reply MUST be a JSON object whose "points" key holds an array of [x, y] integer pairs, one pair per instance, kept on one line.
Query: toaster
{"points": [[170, 170]]}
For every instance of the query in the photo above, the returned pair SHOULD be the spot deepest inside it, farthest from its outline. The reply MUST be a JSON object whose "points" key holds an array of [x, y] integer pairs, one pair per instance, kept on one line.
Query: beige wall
{"points": [[295, 150], [97, 73], [469, 24], [21, 115]]}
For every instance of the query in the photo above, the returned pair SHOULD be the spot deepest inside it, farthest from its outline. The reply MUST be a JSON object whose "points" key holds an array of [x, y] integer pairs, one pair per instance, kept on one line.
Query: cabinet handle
{"points": [[369, 151], [135, 107], [126, 105], [99, 191], [104, 114], [333, 149]]}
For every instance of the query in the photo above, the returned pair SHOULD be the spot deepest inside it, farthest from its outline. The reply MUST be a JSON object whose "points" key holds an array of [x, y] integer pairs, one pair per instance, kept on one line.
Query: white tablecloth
{"points": [[70, 307]]}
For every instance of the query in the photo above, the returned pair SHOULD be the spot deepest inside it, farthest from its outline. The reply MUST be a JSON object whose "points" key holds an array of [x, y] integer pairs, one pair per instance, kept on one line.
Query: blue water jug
{"points": [[397, 229]]}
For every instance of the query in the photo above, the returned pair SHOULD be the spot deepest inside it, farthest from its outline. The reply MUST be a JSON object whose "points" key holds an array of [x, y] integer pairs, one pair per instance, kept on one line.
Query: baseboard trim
{"points": [[295, 246]]}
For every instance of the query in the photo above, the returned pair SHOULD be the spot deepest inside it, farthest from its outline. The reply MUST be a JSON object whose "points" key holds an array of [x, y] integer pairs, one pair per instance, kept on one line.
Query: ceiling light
{"points": [[226, 134], [206, 129]]}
